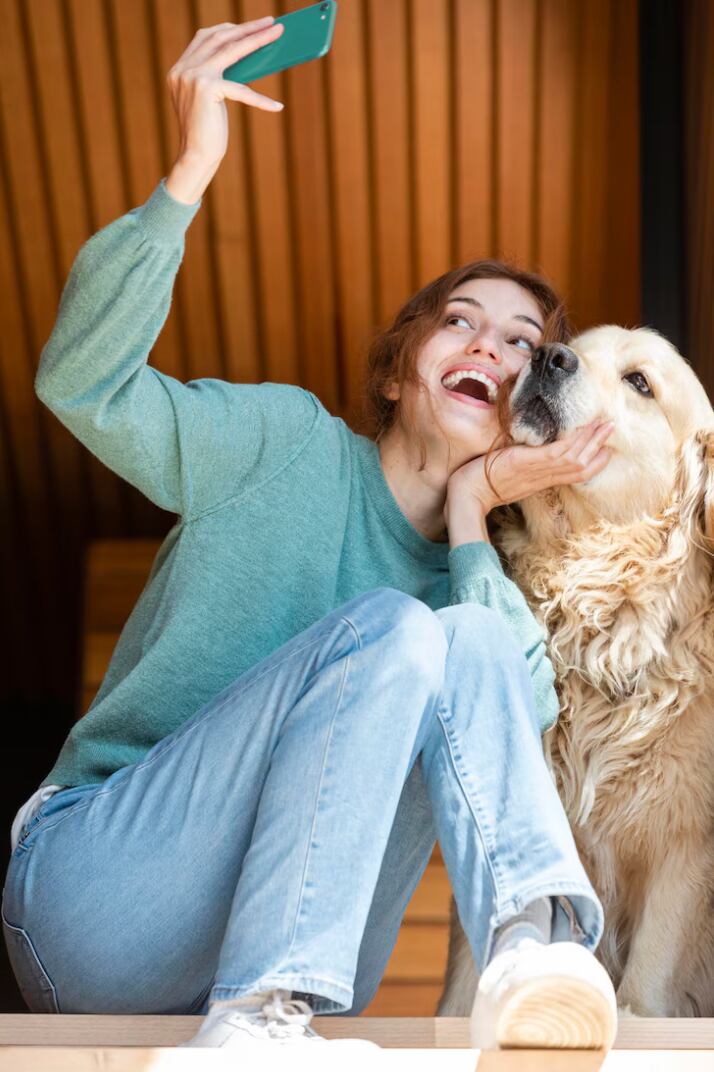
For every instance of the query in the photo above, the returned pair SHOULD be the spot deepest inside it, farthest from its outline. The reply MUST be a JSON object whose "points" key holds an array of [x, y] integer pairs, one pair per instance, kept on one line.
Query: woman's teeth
{"points": [[454, 378]]}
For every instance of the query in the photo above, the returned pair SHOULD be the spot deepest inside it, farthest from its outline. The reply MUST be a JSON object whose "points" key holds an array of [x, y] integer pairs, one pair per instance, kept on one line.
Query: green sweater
{"points": [[283, 513]]}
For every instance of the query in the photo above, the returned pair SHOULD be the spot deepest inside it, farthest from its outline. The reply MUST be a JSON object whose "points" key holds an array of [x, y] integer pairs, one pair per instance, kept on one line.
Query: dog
{"points": [[619, 573]]}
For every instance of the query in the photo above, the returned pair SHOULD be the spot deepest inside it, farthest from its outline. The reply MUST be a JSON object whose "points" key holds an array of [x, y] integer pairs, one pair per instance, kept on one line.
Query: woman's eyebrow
{"points": [[478, 305]]}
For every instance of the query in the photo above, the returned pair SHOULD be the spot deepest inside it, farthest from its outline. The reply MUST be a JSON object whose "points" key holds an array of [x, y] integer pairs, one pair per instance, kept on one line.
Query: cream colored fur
{"points": [[619, 572]]}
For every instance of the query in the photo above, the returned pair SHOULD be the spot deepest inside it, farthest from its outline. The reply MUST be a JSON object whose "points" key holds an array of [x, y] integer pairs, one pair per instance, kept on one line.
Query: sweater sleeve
{"points": [[186, 446], [476, 576]]}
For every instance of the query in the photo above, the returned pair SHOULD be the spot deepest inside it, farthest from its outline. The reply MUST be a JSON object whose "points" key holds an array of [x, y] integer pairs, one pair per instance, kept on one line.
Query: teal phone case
{"points": [[307, 36]]}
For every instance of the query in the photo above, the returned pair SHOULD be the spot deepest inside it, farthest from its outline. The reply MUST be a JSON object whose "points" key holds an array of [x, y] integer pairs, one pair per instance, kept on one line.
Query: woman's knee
{"points": [[484, 634], [409, 629]]}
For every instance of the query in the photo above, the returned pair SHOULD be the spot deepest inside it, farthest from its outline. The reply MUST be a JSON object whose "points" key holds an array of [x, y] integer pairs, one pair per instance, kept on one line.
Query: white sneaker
{"points": [[536, 996], [260, 1028]]}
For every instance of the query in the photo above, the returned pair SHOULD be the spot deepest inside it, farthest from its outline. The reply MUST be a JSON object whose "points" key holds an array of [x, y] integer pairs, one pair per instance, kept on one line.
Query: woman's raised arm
{"points": [[187, 447]]}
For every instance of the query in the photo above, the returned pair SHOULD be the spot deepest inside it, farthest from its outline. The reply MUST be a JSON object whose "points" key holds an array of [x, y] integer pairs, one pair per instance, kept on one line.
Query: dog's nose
{"points": [[554, 361]]}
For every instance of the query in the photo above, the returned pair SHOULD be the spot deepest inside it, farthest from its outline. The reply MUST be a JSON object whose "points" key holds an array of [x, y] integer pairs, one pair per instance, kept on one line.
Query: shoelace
{"points": [[282, 1019]]}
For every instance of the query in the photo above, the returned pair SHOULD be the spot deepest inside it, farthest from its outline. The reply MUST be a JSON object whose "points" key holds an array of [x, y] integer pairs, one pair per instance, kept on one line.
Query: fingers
{"points": [[591, 459], [240, 92], [231, 49], [595, 442], [208, 45]]}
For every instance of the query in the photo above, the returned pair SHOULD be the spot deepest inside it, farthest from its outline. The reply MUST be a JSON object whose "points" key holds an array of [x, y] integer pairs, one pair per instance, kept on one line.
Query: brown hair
{"points": [[394, 350]]}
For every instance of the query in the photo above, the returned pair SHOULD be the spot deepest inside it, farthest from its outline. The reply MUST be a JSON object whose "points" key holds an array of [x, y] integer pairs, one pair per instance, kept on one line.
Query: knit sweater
{"points": [[282, 512]]}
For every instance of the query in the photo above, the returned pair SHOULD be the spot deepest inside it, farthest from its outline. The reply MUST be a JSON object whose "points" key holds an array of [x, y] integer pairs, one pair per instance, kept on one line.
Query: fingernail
{"points": [[277, 106]]}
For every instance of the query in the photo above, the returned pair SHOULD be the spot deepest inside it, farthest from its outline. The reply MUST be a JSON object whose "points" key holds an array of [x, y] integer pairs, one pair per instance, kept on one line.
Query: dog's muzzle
{"points": [[537, 402]]}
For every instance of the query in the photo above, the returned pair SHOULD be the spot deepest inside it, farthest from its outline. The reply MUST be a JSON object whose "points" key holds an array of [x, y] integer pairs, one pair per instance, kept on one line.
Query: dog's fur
{"points": [[619, 572]]}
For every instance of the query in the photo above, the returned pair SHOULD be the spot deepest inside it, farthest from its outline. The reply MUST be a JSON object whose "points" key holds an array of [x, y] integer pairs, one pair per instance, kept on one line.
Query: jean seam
{"points": [[316, 805], [493, 870], [179, 737]]}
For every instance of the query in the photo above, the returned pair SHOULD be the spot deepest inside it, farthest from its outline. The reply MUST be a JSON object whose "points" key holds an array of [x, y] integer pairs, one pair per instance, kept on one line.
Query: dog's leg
{"points": [[653, 983], [461, 976]]}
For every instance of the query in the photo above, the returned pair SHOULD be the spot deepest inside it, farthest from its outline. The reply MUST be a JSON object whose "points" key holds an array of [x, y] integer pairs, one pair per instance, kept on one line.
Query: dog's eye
{"points": [[639, 383]]}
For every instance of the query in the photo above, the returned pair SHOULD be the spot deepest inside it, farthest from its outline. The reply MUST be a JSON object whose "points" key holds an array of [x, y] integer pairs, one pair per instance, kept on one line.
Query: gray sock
{"points": [[535, 921]]}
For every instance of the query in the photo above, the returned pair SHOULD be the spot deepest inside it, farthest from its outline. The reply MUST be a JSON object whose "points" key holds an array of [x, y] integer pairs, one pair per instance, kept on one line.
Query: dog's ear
{"points": [[695, 488]]}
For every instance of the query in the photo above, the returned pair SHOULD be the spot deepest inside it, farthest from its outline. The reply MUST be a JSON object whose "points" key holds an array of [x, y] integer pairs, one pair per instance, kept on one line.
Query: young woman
{"points": [[326, 671]]}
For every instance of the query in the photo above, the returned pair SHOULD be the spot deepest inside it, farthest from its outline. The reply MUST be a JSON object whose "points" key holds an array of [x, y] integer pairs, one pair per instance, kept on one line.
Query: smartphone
{"points": [[307, 36]]}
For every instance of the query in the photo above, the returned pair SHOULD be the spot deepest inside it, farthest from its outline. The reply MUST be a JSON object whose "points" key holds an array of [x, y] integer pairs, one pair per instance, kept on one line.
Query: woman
{"points": [[326, 670]]}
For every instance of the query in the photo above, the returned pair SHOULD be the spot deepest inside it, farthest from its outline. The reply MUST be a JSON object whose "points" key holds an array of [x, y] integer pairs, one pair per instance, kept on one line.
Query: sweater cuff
{"points": [[470, 560], [164, 220]]}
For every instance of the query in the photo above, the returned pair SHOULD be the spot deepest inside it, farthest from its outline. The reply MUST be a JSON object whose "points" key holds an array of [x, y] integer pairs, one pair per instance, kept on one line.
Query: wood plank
{"points": [[474, 129], [420, 953], [20, 1029], [405, 999], [515, 118], [555, 156], [623, 195], [589, 232], [432, 897], [432, 61], [388, 72], [115, 574]]}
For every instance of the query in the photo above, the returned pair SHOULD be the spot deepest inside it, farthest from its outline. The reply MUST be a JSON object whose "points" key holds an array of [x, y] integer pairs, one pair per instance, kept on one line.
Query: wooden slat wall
{"points": [[435, 132]]}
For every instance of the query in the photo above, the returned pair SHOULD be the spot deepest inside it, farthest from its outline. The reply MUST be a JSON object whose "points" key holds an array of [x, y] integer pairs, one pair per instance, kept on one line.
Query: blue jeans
{"points": [[275, 838]]}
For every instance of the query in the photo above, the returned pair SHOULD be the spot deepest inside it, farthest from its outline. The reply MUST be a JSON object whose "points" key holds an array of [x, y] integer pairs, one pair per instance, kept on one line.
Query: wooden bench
{"points": [[115, 575], [141, 1044]]}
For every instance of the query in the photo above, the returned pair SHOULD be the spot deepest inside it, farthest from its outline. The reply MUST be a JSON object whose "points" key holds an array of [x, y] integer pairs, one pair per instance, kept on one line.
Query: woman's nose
{"points": [[485, 345]]}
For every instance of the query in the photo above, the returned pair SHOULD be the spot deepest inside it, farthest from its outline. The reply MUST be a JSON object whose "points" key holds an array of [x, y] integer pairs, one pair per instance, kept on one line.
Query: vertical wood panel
{"points": [[515, 115], [559, 72], [431, 58], [592, 159], [391, 141], [474, 67]]}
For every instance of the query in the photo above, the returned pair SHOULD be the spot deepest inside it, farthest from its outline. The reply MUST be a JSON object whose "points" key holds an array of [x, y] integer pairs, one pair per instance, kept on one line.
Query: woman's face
{"points": [[490, 327]]}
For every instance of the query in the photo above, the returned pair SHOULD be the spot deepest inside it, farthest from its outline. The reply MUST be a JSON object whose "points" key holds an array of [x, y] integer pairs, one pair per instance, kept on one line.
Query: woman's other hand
{"points": [[517, 472], [199, 94]]}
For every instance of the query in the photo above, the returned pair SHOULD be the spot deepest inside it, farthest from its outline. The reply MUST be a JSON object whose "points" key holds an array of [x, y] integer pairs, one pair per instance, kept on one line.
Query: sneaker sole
{"points": [[556, 1012]]}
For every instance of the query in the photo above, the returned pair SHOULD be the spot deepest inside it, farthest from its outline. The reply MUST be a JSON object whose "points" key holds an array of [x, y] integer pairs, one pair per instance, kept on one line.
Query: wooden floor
{"points": [[37, 1043]]}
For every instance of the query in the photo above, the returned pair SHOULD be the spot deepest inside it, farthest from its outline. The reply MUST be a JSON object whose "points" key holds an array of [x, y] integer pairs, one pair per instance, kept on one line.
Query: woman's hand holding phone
{"points": [[199, 92]]}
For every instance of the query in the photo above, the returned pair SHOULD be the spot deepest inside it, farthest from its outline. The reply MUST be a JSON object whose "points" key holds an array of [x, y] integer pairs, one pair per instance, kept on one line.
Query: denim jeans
{"points": [[275, 838]]}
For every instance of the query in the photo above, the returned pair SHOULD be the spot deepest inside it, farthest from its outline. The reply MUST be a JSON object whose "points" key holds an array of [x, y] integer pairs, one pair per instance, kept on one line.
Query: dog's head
{"points": [[664, 423]]}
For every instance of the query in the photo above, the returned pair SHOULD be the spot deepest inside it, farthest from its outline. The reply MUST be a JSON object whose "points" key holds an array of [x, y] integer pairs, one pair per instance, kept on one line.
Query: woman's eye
{"points": [[523, 344], [640, 384], [457, 316]]}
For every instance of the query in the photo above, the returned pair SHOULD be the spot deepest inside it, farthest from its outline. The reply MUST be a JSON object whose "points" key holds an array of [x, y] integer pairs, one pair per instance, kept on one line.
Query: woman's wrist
{"points": [[465, 517], [188, 179]]}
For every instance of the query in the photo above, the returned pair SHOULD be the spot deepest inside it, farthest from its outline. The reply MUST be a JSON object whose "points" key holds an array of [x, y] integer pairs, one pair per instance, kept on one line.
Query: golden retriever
{"points": [[619, 573]]}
